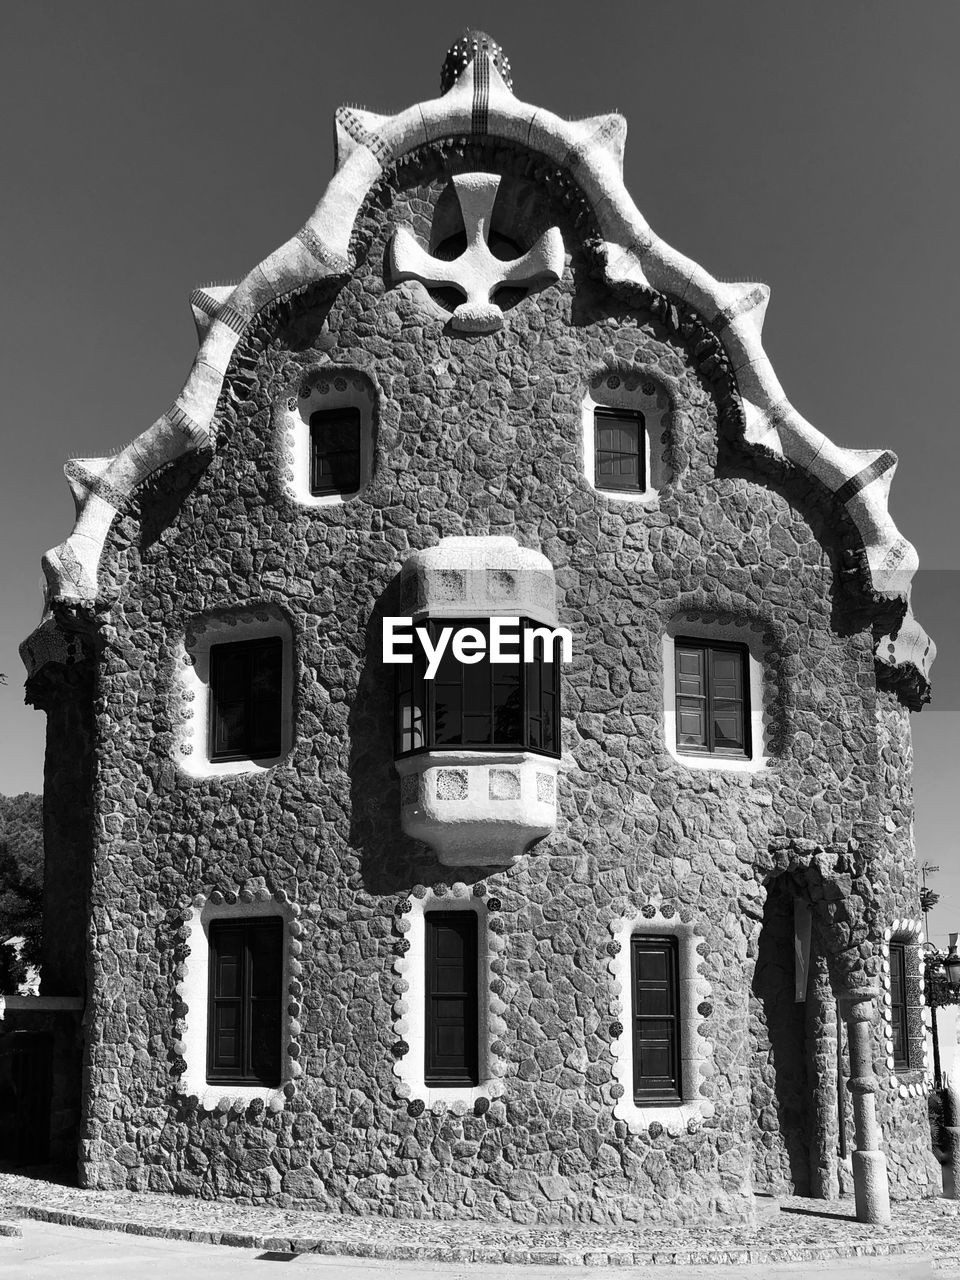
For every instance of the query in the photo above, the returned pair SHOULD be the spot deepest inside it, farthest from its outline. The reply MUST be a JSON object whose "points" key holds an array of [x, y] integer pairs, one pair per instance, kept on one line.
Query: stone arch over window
{"points": [[904, 1032], [329, 432], [206, 638], [638, 404]]}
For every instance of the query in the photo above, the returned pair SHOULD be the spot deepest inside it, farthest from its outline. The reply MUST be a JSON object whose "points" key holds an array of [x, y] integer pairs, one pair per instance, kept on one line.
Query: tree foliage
{"points": [[21, 885]]}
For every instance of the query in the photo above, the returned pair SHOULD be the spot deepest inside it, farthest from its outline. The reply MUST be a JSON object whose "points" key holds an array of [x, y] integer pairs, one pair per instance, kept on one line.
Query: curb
{"points": [[338, 1247]]}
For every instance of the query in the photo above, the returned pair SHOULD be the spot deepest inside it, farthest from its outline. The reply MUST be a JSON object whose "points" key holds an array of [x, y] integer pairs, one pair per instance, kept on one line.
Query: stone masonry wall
{"points": [[475, 435]]}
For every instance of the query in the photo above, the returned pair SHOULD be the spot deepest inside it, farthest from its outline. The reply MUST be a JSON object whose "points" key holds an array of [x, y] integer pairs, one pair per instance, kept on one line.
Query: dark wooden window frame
{"points": [[270, 748], [412, 690], [899, 1016], [613, 484], [710, 749], [327, 485], [465, 1071], [665, 1090], [243, 1070]]}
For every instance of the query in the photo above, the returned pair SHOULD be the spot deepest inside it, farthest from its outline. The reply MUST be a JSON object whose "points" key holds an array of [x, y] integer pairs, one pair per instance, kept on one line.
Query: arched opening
{"points": [[796, 1088]]}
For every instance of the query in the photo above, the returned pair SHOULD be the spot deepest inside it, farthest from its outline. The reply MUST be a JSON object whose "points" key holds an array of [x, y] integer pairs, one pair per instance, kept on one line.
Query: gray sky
{"points": [[149, 148]]}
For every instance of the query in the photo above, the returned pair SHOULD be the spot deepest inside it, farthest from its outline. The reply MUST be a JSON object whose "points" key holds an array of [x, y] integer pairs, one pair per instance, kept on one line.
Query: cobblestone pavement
{"points": [[51, 1252], [800, 1230]]}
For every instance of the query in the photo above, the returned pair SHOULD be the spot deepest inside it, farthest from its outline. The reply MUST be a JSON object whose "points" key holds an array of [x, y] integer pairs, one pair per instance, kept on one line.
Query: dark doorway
{"points": [[25, 1088], [781, 1102]]}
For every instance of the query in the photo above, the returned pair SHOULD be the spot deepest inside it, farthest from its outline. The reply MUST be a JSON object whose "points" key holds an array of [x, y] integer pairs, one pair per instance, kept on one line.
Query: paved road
{"points": [[49, 1252]]}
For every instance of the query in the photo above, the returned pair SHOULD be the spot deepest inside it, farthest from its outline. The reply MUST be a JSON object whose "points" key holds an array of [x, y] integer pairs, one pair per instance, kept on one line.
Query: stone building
{"points": [[598, 939]]}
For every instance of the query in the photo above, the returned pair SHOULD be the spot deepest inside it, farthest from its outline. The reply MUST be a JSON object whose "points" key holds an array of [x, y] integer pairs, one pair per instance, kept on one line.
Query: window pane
{"points": [[712, 713], [227, 1037], [618, 450], [246, 690], [481, 704], [447, 713], [228, 963], [246, 1001], [898, 1006], [656, 1019], [652, 965], [506, 707], [691, 723], [265, 1041], [727, 724], [335, 451], [451, 998], [265, 948], [266, 683]]}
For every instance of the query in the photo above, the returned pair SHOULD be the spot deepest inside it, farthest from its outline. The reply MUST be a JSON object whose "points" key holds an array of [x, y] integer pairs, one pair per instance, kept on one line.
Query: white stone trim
{"points": [[695, 1051], [331, 387], [409, 1008], [760, 715], [637, 391], [193, 991], [634, 254], [910, 932], [478, 808], [192, 686]]}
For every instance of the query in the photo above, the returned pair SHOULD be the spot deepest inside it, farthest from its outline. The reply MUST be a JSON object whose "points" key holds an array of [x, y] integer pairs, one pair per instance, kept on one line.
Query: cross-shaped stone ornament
{"points": [[477, 273]]}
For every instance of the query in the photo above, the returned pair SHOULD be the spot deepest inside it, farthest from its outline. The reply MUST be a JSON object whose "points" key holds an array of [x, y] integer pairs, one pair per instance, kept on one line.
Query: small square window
{"points": [[713, 715], [246, 689], [246, 1001], [619, 462], [335, 463]]}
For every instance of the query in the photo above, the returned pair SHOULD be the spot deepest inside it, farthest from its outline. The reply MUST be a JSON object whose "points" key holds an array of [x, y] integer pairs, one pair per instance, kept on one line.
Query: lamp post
{"points": [[941, 971]]}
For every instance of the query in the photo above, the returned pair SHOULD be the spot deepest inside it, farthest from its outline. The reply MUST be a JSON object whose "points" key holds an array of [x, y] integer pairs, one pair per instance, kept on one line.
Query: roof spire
{"points": [[463, 51]]}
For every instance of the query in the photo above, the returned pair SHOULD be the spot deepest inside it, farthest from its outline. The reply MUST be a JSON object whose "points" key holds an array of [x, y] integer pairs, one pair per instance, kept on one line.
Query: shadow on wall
{"points": [[780, 1089], [390, 861]]}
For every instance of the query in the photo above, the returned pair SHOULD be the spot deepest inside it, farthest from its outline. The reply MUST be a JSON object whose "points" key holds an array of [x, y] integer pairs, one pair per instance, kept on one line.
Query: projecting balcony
{"points": [[478, 740]]}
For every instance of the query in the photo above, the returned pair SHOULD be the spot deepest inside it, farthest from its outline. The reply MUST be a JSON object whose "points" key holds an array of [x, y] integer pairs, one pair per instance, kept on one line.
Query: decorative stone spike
{"points": [[354, 128], [205, 301], [607, 133], [463, 51]]}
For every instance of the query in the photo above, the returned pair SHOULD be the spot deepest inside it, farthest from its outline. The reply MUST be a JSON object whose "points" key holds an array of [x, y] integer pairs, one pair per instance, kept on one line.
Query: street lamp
{"points": [[941, 971]]}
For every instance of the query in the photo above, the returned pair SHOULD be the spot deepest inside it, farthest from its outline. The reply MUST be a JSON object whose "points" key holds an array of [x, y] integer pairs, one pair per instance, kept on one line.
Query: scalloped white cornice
{"points": [[481, 104]]}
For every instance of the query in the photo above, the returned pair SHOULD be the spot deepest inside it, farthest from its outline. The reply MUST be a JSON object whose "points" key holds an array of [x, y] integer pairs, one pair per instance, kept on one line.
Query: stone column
{"points": [[821, 1020], [870, 1186]]}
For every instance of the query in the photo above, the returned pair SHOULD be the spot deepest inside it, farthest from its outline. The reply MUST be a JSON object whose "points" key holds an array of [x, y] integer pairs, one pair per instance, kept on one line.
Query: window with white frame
{"points": [[452, 1033], [625, 421], [905, 1038], [660, 1054], [716, 689], [655, 1020], [447, 1017], [330, 436], [245, 1004], [235, 691], [237, 993]]}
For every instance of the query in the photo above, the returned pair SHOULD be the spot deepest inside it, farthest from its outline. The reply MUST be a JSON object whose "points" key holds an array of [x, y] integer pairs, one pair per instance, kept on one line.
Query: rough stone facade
{"points": [[479, 434]]}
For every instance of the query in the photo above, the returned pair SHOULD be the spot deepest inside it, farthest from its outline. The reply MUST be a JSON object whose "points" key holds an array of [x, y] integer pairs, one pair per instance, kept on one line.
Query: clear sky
{"points": [[147, 148]]}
